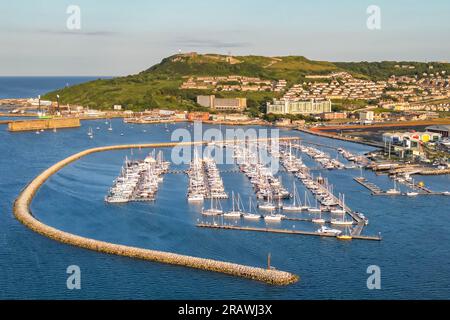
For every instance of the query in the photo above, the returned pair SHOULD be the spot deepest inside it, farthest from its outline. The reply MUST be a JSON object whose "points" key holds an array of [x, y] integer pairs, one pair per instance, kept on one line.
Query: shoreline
{"points": [[332, 136], [23, 213]]}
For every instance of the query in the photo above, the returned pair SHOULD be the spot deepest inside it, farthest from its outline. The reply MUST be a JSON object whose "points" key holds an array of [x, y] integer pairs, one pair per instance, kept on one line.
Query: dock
{"points": [[377, 191], [43, 124], [283, 231], [369, 185]]}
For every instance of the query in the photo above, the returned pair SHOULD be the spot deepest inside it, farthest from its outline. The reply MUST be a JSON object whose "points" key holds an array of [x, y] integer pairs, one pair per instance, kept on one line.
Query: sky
{"points": [[125, 37]]}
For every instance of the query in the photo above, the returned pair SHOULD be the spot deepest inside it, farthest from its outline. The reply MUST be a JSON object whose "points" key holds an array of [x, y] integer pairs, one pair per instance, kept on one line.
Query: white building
{"points": [[298, 107]]}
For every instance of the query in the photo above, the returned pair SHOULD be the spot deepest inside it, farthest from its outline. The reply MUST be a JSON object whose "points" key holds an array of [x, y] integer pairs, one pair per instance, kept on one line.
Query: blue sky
{"points": [[124, 37]]}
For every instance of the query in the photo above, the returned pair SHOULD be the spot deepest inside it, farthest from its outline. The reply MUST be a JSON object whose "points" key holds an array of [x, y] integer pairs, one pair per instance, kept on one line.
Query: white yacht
{"points": [[342, 222], [274, 218], [214, 210], [297, 204], [236, 212], [249, 215], [394, 191], [196, 198], [327, 230], [268, 206]]}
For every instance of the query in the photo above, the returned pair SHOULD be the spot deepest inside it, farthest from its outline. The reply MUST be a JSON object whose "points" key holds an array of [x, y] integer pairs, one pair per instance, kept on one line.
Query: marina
{"points": [[164, 224]]}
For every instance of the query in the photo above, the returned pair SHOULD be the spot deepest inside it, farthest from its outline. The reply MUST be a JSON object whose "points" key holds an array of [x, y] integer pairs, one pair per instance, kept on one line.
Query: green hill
{"points": [[158, 86]]}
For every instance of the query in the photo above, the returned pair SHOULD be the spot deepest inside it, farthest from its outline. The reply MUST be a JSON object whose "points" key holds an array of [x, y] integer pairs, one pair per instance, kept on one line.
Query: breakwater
{"points": [[43, 124], [23, 213]]}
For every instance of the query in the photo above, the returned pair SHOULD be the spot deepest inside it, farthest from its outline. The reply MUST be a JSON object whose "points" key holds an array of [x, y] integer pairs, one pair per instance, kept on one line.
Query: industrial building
{"points": [[444, 130]]}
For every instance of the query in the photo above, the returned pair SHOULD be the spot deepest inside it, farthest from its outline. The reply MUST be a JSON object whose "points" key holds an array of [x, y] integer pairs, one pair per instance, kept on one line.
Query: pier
{"points": [[23, 213], [377, 191], [283, 231], [369, 185], [43, 124]]}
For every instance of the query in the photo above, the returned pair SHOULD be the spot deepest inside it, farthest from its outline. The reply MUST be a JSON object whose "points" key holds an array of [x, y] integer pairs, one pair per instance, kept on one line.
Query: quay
{"points": [[43, 124], [283, 231], [23, 213]]}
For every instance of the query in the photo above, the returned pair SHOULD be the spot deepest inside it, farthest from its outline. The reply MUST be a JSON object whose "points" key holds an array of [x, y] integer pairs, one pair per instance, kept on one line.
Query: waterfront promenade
{"points": [[23, 213]]}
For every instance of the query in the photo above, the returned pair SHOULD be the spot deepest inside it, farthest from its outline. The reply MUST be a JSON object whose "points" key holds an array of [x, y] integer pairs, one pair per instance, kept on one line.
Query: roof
{"points": [[439, 128]]}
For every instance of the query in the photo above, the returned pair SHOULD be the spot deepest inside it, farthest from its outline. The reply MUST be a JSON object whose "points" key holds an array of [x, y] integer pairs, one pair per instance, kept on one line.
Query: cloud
{"points": [[208, 43]]}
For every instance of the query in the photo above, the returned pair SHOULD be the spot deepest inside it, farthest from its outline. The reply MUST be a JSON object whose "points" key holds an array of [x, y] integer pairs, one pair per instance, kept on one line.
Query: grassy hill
{"points": [[158, 86]]}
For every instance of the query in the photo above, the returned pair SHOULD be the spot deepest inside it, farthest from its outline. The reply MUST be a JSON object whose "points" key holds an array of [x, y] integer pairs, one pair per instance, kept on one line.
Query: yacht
{"points": [[296, 205], [213, 210], [412, 194], [342, 222], [274, 218], [394, 191], [327, 230], [236, 212], [196, 198], [316, 209], [318, 221], [249, 215], [269, 205]]}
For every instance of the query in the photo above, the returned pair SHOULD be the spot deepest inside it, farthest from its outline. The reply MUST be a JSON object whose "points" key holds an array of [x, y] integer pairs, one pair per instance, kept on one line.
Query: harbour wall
{"points": [[23, 213], [43, 124]]}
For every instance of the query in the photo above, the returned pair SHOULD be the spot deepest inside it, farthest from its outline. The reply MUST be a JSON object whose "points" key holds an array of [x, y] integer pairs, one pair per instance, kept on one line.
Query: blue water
{"points": [[414, 256], [28, 87]]}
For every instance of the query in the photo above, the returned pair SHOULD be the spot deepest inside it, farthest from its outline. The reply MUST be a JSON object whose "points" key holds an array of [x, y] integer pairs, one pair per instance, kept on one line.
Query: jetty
{"points": [[43, 124], [23, 213], [369, 185], [377, 191], [283, 231]]}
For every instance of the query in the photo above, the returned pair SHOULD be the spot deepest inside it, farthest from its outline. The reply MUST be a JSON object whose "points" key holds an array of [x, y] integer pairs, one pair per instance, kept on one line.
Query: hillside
{"points": [[159, 86]]}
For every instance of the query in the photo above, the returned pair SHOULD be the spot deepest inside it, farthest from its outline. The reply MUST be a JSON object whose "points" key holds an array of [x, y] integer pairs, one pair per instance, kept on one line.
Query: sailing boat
{"points": [[269, 205], [296, 205], [342, 204], [342, 222], [90, 133], [236, 212], [413, 193], [395, 191], [319, 220], [249, 215], [316, 209], [274, 217], [110, 126], [214, 210]]}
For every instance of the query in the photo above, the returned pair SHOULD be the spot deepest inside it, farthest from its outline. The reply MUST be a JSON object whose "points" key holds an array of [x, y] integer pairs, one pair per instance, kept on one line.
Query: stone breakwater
{"points": [[23, 214]]}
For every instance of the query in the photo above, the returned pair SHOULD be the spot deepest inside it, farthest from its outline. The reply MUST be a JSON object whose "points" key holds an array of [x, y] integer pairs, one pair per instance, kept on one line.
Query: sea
{"points": [[413, 258]]}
